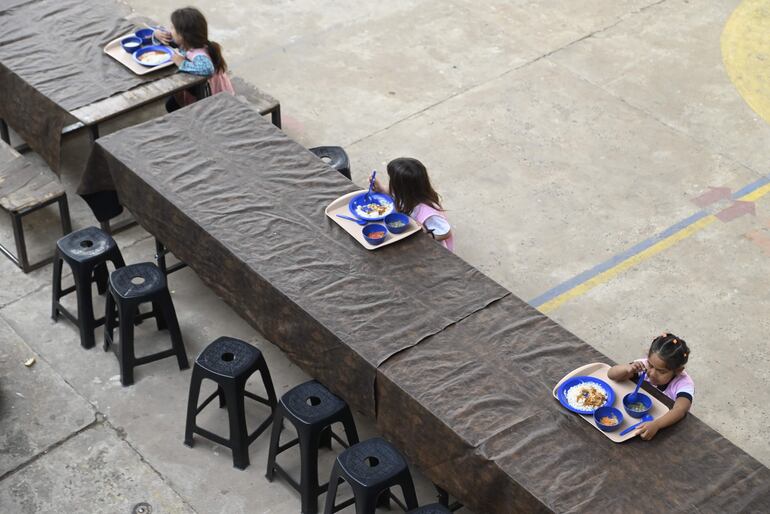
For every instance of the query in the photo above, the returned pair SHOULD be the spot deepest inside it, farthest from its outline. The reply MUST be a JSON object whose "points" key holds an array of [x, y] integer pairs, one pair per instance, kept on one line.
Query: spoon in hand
{"points": [[632, 396]]}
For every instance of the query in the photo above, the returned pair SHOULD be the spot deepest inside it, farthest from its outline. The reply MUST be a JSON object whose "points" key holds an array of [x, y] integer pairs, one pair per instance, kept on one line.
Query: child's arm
{"points": [[199, 65], [621, 372], [677, 412]]}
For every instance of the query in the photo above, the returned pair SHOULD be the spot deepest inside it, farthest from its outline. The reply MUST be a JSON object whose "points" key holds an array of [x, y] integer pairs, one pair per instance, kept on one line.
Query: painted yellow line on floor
{"points": [[643, 255]]}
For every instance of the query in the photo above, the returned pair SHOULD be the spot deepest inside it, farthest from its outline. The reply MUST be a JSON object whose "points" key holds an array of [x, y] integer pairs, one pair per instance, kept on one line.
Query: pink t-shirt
{"points": [[436, 221], [681, 383]]}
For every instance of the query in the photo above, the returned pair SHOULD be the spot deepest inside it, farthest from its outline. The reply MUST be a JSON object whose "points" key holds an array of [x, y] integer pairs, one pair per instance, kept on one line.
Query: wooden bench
{"points": [[261, 101], [26, 187]]}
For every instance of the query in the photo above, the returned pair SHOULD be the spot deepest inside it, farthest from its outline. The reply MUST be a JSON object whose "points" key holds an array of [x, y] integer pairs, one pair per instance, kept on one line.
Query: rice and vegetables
{"points": [[586, 396]]}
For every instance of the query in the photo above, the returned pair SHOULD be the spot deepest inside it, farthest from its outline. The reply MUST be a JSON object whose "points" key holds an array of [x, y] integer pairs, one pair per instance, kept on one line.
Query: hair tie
{"points": [[675, 341]]}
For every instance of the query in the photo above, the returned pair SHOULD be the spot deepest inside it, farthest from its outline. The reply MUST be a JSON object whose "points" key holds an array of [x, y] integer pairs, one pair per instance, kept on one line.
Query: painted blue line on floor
{"points": [[638, 248]]}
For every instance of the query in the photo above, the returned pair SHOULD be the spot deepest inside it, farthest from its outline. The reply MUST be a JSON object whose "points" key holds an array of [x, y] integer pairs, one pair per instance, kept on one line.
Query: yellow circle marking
{"points": [[746, 53]]}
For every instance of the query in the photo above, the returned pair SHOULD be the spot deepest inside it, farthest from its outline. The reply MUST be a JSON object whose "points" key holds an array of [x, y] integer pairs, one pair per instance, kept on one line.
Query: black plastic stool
{"points": [[337, 158], [371, 468], [87, 252], [229, 362], [131, 286], [433, 508], [312, 409]]}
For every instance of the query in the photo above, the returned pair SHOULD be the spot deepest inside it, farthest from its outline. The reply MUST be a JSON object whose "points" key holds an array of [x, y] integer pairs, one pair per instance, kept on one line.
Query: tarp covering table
{"points": [[473, 407], [243, 205], [52, 62], [458, 371]]}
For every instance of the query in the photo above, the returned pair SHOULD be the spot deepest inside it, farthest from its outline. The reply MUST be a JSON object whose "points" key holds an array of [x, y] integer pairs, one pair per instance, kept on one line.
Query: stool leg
{"points": [[169, 315], [325, 438], [308, 483], [56, 294], [407, 489], [126, 344], [109, 320], [222, 399], [160, 320], [101, 276], [264, 371], [239, 437], [366, 504], [383, 499], [192, 406], [331, 494], [350, 427], [275, 442], [85, 307]]}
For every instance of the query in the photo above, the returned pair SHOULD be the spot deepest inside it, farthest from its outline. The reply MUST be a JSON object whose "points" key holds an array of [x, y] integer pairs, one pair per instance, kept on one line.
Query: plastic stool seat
{"points": [[86, 244], [312, 410], [229, 362], [125, 296], [311, 402], [137, 280], [228, 357], [371, 462], [337, 158], [371, 468], [86, 252]]}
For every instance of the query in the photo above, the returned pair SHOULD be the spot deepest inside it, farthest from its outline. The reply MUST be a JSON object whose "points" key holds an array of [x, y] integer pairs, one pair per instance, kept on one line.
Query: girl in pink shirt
{"points": [[665, 370], [411, 189]]}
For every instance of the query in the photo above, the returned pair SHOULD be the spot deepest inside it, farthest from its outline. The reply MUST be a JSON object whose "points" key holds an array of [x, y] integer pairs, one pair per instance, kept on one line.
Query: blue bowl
{"points": [[374, 228], [394, 218], [612, 412], [642, 398], [131, 44], [147, 49], [145, 35]]}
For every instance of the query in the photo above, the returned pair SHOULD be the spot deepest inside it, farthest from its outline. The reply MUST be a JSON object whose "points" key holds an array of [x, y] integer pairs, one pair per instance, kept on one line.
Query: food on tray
{"points": [[153, 57], [376, 235], [132, 44], [396, 224], [636, 407], [587, 396], [375, 208], [609, 421]]}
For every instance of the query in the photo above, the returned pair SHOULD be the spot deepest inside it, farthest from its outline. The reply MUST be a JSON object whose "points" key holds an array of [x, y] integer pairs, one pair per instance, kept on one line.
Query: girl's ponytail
{"points": [[215, 52]]}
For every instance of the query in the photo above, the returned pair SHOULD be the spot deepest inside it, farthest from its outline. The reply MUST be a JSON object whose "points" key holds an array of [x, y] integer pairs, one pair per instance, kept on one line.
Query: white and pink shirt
{"points": [[680, 385], [434, 221]]}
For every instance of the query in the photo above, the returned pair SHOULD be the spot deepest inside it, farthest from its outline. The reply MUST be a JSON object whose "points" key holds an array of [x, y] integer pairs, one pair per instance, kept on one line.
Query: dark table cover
{"points": [[243, 205], [52, 62], [473, 407], [458, 371]]}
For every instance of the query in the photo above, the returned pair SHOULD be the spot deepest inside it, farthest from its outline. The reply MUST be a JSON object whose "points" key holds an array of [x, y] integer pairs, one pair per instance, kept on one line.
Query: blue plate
{"points": [[359, 201], [562, 393], [153, 48]]}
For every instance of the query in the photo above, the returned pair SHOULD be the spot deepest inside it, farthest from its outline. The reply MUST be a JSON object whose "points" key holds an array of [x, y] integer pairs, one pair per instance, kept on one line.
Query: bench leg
{"points": [[64, 215], [276, 116], [93, 133], [21, 247], [4, 135]]}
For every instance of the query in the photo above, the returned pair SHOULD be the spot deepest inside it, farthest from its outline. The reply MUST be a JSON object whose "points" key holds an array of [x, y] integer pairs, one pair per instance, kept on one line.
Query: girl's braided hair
{"points": [[672, 349]]}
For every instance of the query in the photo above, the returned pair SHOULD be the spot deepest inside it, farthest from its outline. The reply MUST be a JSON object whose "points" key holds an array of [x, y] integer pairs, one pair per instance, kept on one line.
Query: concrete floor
{"points": [[560, 135]]}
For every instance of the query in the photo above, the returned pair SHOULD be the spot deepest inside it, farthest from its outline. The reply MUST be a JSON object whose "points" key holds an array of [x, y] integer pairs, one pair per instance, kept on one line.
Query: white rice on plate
{"points": [[576, 395]]}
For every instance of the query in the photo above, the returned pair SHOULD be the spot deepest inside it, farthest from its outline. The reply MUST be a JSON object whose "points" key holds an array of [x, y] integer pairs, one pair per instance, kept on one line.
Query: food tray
{"points": [[340, 206], [599, 370], [114, 50]]}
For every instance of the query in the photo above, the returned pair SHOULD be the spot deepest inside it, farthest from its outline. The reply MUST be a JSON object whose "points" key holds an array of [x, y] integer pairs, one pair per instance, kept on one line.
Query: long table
{"points": [[56, 79], [456, 370]]}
